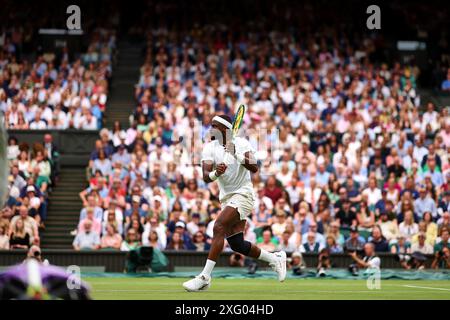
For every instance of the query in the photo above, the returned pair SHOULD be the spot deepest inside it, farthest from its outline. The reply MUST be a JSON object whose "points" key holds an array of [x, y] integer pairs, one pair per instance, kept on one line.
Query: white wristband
{"points": [[212, 175], [240, 157]]}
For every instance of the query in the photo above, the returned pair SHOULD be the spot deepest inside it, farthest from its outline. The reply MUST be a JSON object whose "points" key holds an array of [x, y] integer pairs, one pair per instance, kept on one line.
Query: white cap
{"points": [[180, 224]]}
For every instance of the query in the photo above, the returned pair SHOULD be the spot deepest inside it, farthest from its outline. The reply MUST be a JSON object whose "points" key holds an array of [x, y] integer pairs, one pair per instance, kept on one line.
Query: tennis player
{"points": [[229, 162]]}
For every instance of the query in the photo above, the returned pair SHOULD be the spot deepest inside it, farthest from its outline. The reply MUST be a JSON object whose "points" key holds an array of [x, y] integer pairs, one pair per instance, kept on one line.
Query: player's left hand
{"points": [[230, 148]]}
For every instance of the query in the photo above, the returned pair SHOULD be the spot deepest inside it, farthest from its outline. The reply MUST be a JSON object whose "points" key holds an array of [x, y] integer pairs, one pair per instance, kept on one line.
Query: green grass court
{"points": [[240, 289]]}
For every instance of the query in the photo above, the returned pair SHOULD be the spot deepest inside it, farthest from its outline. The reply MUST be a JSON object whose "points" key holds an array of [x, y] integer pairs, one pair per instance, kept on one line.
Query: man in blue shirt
{"points": [[424, 203], [446, 83], [91, 203], [322, 176]]}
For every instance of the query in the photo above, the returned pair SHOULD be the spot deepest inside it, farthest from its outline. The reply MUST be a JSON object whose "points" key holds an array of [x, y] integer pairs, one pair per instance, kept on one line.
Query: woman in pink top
{"points": [[111, 240]]}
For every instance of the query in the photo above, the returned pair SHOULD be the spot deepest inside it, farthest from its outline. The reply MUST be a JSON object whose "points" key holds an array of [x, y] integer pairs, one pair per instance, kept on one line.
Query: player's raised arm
{"points": [[249, 162], [247, 158]]}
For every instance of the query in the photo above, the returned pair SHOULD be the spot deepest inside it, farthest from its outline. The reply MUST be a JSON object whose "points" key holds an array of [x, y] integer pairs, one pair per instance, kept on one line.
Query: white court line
{"points": [[431, 288], [229, 291]]}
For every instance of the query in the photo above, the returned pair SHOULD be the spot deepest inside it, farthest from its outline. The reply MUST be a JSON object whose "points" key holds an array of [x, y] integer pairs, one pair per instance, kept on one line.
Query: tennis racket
{"points": [[236, 125], [238, 120]]}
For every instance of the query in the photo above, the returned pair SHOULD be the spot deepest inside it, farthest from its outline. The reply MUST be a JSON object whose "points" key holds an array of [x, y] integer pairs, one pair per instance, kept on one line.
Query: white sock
{"points": [[266, 256], [209, 266]]}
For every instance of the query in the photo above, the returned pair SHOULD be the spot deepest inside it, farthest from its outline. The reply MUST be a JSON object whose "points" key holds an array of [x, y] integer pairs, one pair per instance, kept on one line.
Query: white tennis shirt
{"points": [[236, 178]]}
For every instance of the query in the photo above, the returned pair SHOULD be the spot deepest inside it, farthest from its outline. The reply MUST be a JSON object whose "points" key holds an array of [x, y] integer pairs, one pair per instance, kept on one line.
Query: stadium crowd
{"points": [[42, 89], [348, 154], [33, 172], [55, 90]]}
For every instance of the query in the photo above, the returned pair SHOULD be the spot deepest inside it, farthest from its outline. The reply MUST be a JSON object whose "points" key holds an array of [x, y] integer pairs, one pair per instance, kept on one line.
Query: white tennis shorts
{"points": [[243, 202]]}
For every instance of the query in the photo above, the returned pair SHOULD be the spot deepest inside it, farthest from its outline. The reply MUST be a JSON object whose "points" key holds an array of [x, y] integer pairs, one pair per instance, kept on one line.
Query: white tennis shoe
{"points": [[199, 283], [279, 265]]}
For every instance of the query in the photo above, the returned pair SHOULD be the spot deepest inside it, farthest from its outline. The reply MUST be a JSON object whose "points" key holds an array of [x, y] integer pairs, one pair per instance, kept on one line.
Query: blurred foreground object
{"points": [[33, 280]]}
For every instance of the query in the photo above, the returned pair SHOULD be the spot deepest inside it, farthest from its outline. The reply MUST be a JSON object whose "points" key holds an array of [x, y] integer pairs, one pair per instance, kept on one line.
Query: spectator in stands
{"points": [[311, 245], [176, 242], [136, 225], [19, 236], [291, 239], [52, 152], [267, 241], [279, 226], [135, 209], [334, 232], [29, 224], [262, 216], [131, 241], [199, 241], [446, 83], [346, 216], [40, 168], [372, 193], [154, 242], [151, 225], [4, 238], [94, 223], [421, 245], [111, 239], [333, 246], [90, 203], [32, 195], [193, 225], [408, 228], [364, 217], [378, 240], [424, 203], [355, 242], [389, 228], [272, 191], [112, 220], [286, 244], [444, 222], [312, 228], [86, 239], [102, 164], [180, 228], [431, 227], [443, 241]]}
